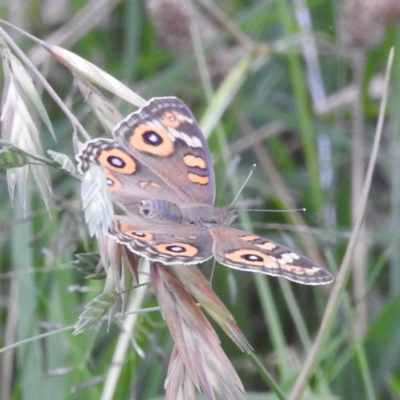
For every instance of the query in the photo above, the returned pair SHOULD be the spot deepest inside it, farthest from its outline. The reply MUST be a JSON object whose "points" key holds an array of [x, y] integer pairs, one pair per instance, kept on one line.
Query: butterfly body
{"points": [[159, 167], [200, 215]]}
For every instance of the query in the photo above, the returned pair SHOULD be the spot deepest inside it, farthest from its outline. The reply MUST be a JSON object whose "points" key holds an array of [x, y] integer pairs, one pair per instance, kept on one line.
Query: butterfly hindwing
{"points": [[166, 243], [244, 251]]}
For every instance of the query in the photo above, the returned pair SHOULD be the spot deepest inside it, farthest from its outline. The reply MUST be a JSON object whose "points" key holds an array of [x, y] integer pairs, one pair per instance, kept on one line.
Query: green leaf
{"points": [[13, 158]]}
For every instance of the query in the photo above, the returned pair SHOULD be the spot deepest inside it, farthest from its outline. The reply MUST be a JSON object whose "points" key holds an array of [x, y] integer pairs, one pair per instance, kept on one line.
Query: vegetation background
{"points": [[296, 87]]}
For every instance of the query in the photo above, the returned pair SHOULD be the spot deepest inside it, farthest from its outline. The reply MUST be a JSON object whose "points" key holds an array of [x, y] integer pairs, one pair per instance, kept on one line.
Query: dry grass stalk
{"points": [[197, 361]]}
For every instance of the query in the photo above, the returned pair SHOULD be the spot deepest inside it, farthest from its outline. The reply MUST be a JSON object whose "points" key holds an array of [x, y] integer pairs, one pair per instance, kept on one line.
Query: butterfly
{"points": [[158, 167]]}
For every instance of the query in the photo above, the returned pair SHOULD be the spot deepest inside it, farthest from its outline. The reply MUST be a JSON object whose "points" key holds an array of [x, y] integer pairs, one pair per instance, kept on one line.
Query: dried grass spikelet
{"points": [[197, 363], [115, 259], [363, 22], [86, 70], [96, 201], [21, 107], [104, 109], [174, 21], [99, 212]]}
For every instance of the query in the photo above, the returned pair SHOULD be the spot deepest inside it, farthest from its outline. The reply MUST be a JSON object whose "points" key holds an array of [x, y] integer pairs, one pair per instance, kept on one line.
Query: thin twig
{"points": [[358, 173]]}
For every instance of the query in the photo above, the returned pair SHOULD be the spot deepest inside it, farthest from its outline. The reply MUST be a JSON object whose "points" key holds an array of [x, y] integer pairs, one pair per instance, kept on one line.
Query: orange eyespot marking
{"points": [[113, 183], [177, 249], [192, 161], [118, 161], [172, 119], [267, 246], [153, 140], [252, 257], [249, 238], [127, 230], [202, 180]]}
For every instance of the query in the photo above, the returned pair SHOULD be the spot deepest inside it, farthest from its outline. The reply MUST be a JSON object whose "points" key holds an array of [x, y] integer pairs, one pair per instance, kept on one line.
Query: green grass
{"points": [[306, 162]]}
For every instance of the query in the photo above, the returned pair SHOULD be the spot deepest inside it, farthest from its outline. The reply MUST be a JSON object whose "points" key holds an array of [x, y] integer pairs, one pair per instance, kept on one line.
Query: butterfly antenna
{"points": [[244, 184], [276, 211]]}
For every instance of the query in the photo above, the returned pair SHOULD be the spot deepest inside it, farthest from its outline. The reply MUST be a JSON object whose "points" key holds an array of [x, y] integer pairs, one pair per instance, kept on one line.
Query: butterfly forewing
{"points": [[128, 179], [166, 138]]}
